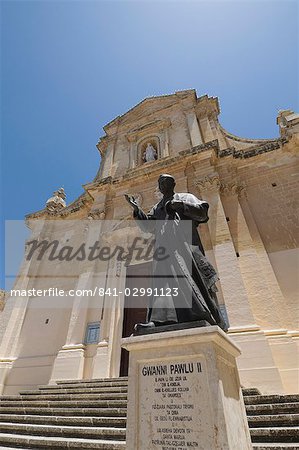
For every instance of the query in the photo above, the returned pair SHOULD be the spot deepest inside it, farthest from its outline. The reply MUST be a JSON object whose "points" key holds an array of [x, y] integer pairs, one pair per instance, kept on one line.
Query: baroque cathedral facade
{"points": [[250, 238]]}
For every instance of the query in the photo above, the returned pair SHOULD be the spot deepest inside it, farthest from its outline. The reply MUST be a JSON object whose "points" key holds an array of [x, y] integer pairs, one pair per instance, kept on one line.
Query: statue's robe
{"points": [[186, 270]]}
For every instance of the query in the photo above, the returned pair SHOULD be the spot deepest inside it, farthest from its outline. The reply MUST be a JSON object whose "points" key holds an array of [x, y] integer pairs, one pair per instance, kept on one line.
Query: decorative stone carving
{"points": [[208, 183], [153, 133], [288, 122], [56, 202], [234, 188], [213, 183], [98, 214], [255, 150]]}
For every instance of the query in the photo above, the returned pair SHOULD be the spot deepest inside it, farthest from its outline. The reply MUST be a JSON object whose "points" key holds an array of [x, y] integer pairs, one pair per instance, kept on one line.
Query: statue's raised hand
{"points": [[131, 200]]}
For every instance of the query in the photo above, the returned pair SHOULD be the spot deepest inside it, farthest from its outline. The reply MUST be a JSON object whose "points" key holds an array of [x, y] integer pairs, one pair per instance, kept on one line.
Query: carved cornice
{"points": [[102, 145], [148, 169], [255, 150], [98, 183], [83, 201], [201, 148]]}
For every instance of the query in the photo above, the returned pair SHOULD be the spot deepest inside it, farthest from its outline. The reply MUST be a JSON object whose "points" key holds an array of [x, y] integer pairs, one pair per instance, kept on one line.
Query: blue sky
{"points": [[69, 67]]}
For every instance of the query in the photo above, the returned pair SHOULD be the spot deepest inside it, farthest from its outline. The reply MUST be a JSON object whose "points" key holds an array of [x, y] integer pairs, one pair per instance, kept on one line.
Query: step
{"points": [[250, 391], [62, 403], [255, 447], [59, 397], [257, 399], [38, 442], [64, 431], [276, 408], [108, 421], [112, 390], [278, 434], [274, 446], [102, 412], [273, 421], [83, 385], [92, 380]]}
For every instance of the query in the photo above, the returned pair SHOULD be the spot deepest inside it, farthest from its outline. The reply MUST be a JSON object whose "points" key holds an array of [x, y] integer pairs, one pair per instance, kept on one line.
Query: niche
{"points": [[148, 150]]}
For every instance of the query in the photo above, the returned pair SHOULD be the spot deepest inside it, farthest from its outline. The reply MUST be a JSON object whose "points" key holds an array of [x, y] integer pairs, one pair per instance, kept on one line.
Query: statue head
{"points": [[166, 183]]}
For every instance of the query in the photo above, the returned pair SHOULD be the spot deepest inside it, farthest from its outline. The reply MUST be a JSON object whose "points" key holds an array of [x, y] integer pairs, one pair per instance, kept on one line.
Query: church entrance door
{"points": [[135, 308]]}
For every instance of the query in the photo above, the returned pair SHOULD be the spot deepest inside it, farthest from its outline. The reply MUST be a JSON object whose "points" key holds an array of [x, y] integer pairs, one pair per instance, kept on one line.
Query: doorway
{"points": [[135, 307]]}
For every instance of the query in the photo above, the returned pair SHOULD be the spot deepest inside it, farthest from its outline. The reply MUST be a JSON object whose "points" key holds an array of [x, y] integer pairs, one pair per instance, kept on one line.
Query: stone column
{"points": [[234, 292], [193, 128]]}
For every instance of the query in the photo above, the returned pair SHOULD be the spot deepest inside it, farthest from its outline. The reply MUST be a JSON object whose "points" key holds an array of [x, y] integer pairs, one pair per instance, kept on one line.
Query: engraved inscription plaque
{"points": [[175, 411]]}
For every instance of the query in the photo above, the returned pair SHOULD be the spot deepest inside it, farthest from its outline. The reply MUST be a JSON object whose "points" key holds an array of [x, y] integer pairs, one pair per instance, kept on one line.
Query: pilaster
{"points": [[11, 339], [234, 292], [257, 358], [193, 126], [279, 302], [18, 306], [266, 312], [107, 359], [69, 362]]}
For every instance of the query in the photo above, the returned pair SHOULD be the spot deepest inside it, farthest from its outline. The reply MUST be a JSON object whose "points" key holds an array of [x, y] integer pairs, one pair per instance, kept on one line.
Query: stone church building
{"points": [[250, 238]]}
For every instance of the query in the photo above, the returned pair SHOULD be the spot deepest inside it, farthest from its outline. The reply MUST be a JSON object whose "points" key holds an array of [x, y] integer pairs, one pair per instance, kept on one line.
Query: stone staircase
{"points": [[92, 414]]}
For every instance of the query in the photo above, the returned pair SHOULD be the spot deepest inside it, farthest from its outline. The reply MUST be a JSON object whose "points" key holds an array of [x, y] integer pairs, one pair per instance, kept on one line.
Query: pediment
{"points": [[147, 107]]}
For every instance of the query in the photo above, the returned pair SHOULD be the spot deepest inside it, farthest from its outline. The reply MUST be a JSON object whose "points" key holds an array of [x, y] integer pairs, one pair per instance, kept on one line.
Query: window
{"points": [[92, 333]]}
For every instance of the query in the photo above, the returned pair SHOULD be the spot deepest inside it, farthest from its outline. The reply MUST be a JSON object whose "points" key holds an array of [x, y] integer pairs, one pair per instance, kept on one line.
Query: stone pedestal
{"points": [[101, 361], [69, 364], [184, 392]]}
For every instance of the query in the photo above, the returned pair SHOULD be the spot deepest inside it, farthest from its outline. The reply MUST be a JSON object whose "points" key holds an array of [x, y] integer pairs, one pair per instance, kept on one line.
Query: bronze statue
{"points": [[192, 286]]}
